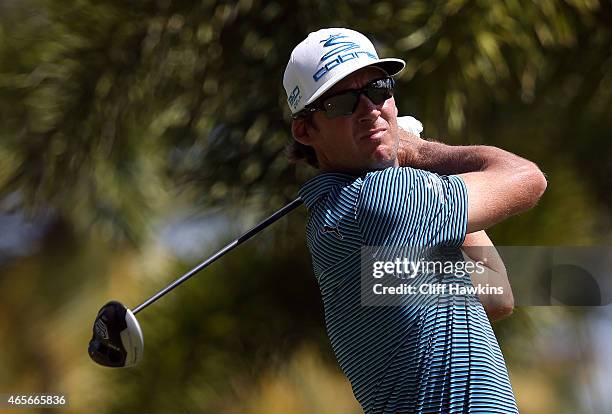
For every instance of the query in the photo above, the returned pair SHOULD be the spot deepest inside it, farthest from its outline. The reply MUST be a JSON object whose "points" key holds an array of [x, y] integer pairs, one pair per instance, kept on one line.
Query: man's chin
{"points": [[385, 157]]}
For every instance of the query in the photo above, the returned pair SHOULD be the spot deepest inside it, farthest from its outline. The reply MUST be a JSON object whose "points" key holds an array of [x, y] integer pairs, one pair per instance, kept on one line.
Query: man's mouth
{"points": [[374, 134]]}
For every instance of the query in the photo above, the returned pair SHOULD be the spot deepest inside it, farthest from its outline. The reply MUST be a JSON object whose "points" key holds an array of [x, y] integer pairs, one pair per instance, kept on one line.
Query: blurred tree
{"points": [[114, 114], [110, 110]]}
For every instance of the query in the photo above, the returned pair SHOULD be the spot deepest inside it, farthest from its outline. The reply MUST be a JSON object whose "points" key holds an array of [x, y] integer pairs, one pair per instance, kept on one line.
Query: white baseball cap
{"points": [[324, 58]]}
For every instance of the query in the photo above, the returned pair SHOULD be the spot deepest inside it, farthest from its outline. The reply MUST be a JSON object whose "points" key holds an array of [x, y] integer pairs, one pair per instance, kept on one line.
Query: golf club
{"points": [[117, 339]]}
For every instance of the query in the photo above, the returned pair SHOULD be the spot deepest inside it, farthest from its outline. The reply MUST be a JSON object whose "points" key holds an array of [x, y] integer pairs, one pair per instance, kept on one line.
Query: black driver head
{"points": [[117, 337]]}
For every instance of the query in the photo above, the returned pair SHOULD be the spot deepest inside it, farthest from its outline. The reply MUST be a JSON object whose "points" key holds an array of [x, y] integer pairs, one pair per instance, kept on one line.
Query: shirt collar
{"points": [[320, 185]]}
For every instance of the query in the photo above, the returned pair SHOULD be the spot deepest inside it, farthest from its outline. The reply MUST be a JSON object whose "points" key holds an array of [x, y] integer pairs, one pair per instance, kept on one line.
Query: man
{"points": [[399, 359]]}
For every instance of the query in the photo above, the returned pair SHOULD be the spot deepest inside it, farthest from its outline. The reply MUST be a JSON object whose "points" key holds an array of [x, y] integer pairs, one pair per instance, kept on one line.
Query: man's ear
{"points": [[302, 130]]}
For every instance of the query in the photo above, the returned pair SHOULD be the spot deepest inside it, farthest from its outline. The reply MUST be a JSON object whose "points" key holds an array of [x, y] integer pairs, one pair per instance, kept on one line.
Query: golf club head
{"points": [[117, 337]]}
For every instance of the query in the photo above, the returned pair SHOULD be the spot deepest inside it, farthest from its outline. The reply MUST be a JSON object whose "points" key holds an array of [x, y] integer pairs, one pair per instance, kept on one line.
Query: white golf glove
{"points": [[410, 124]]}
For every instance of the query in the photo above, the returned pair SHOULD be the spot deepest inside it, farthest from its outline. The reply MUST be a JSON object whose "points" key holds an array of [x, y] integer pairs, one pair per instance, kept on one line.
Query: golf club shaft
{"points": [[280, 213]]}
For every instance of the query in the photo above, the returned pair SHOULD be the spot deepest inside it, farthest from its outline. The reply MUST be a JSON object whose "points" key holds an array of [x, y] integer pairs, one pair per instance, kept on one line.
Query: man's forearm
{"points": [[441, 158]]}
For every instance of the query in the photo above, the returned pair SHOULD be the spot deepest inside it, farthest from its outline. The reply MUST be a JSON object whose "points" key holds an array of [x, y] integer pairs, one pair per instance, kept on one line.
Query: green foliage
{"points": [[111, 110], [114, 114]]}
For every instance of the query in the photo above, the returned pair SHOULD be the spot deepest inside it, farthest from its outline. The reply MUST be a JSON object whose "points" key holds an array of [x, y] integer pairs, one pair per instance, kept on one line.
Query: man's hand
{"points": [[410, 146]]}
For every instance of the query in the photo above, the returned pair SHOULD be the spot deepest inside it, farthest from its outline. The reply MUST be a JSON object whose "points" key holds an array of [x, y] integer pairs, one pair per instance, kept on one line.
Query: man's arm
{"points": [[499, 183], [479, 248]]}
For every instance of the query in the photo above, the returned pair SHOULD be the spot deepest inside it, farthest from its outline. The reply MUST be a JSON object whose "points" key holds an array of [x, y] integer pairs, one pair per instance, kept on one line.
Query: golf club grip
{"points": [[274, 217]]}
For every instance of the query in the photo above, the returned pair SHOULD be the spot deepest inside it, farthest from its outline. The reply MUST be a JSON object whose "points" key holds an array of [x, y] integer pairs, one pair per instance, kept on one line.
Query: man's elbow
{"points": [[538, 183], [533, 183]]}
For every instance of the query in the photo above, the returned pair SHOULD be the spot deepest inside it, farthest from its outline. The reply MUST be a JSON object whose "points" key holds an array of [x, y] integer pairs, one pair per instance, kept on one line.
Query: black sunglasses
{"points": [[345, 102]]}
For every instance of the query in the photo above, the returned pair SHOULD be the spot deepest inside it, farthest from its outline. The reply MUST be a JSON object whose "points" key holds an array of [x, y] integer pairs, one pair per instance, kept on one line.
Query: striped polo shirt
{"points": [[440, 358]]}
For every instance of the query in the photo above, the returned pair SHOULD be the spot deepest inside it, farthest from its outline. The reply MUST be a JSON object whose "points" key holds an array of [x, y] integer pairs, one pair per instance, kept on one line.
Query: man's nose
{"points": [[367, 110]]}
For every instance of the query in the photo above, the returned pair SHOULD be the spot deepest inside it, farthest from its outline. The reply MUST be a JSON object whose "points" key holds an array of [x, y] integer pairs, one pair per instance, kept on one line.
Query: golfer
{"points": [[377, 188]]}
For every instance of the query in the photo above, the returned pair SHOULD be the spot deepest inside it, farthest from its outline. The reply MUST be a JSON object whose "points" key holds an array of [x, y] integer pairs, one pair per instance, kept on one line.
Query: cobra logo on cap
{"points": [[339, 47]]}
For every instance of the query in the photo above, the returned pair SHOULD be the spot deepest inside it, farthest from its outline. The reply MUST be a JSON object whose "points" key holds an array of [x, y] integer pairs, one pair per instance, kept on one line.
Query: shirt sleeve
{"points": [[408, 207]]}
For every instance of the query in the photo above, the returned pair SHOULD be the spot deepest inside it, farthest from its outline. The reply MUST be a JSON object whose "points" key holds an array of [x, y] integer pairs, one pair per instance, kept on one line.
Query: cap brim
{"points": [[392, 66]]}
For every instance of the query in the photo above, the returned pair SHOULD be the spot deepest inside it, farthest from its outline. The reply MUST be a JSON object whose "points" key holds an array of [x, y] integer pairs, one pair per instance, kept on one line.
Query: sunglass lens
{"points": [[340, 105], [379, 91], [378, 95]]}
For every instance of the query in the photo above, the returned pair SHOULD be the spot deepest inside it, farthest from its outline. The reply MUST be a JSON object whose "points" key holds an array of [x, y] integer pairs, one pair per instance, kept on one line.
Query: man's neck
{"points": [[326, 168]]}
